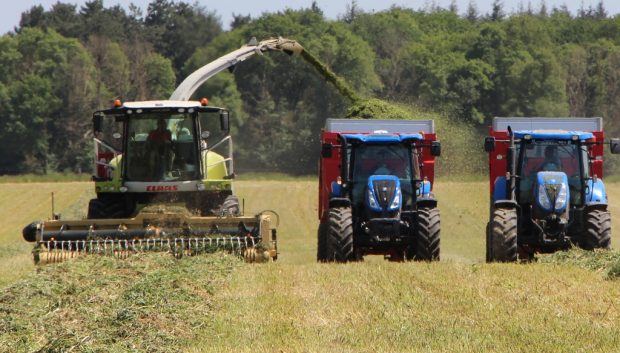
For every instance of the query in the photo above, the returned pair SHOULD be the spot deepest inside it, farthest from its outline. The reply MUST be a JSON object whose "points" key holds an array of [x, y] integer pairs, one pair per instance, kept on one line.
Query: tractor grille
{"points": [[385, 191]]}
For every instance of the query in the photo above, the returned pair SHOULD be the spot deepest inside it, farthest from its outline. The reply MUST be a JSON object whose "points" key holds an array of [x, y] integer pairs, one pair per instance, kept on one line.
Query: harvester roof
{"points": [[161, 105], [554, 134]]}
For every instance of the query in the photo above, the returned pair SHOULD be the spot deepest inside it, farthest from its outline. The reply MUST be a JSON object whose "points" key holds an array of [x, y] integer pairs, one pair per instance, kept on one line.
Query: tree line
{"points": [[59, 65]]}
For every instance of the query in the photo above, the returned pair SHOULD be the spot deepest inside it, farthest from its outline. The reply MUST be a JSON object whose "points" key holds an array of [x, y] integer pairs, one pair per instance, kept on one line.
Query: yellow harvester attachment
{"points": [[156, 228]]}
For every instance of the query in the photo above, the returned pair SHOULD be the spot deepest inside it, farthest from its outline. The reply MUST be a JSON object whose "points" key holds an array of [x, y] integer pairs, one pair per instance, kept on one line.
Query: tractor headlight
{"points": [[371, 200], [543, 198], [560, 201], [396, 202]]}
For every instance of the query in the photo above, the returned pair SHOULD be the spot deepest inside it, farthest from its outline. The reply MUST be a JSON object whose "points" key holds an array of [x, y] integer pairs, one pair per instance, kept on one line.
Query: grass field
{"points": [[216, 303]]}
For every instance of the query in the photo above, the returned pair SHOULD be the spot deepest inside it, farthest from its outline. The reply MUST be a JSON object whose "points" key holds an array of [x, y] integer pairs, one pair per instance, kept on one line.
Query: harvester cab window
{"points": [[161, 147]]}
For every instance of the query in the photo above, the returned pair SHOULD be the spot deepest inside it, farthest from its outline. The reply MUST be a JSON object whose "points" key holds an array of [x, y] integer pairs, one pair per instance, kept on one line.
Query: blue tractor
{"points": [[546, 188], [375, 190]]}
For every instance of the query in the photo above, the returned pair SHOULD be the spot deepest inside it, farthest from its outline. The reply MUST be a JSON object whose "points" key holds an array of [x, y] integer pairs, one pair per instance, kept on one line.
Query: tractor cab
{"points": [[384, 171]]}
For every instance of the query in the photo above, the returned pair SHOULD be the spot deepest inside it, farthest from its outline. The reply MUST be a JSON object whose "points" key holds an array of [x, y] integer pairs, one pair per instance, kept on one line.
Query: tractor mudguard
{"points": [[508, 204], [499, 190], [339, 202], [427, 202], [595, 193]]}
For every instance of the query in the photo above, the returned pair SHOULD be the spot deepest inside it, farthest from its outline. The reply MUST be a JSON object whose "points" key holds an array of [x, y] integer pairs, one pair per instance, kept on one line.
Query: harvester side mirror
{"points": [[614, 146], [326, 150], [436, 148], [97, 123], [224, 120], [489, 144]]}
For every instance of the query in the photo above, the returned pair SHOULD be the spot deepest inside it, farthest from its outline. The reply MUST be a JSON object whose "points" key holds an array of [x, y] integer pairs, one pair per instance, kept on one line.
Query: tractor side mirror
{"points": [[326, 150], [224, 120], [614, 146], [97, 123], [436, 148], [489, 144]]}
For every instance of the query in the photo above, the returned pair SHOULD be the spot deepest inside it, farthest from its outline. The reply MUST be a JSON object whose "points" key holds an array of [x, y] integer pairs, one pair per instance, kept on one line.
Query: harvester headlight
{"points": [[543, 198], [396, 202], [200, 186], [371, 200], [560, 201], [123, 189]]}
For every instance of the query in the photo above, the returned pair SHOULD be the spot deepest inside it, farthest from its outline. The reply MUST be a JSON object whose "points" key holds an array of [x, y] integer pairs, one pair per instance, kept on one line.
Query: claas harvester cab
{"points": [[546, 186], [375, 190]]}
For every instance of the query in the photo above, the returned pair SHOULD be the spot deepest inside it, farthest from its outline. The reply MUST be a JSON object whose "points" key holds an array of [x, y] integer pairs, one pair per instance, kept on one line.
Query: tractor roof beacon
{"points": [[163, 175], [375, 190], [546, 187]]}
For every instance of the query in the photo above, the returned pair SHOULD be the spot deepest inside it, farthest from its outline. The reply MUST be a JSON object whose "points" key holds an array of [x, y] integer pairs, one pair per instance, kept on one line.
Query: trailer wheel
{"points": [[503, 235], [597, 232], [321, 249], [427, 234], [339, 245]]}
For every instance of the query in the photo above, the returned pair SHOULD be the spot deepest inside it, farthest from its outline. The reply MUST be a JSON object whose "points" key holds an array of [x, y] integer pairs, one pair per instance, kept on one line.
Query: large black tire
{"points": [[489, 243], [96, 209], [597, 230], [339, 245], [106, 208], [503, 235], [321, 248], [427, 234], [230, 206]]}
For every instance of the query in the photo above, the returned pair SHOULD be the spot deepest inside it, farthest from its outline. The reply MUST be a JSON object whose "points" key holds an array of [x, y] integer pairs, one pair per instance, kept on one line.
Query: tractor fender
{"points": [[596, 193], [339, 202], [430, 202], [499, 189], [509, 204]]}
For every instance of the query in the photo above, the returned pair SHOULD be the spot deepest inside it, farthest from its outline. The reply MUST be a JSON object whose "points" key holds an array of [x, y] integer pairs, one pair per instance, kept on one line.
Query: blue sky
{"points": [[10, 14]]}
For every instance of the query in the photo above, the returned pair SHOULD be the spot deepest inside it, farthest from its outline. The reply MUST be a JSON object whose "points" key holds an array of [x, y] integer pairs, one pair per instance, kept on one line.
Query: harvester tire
{"points": [[321, 249], [427, 234], [503, 235], [597, 230], [339, 245], [229, 208], [96, 209]]}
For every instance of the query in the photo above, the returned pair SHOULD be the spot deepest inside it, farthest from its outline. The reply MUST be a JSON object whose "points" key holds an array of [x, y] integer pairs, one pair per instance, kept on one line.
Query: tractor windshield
{"points": [[382, 159], [162, 147], [552, 155]]}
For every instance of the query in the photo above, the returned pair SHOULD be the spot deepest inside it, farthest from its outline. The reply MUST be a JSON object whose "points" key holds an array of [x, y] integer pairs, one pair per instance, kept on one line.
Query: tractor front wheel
{"points": [[339, 244], [321, 249], [502, 236], [597, 232], [427, 234]]}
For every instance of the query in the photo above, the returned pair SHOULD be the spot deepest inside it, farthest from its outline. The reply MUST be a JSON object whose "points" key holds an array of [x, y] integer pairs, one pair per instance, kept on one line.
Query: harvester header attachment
{"points": [[156, 228]]}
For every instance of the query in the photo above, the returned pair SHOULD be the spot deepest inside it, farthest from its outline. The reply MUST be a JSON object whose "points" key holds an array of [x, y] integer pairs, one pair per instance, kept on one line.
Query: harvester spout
{"points": [[187, 88]]}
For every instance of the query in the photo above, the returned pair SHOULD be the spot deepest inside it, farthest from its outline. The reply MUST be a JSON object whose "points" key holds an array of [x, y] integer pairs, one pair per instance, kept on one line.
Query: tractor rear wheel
{"points": [[597, 230], [339, 244], [321, 249], [489, 240], [427, 234], [503, 235]]}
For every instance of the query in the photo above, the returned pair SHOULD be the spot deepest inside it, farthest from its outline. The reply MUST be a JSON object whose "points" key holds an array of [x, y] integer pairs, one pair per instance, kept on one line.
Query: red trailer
{"points": [[375, 190]]}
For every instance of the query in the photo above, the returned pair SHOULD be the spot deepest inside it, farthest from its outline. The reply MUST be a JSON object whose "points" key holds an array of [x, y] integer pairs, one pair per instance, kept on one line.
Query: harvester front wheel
{"points": [[96, 209], [339, 244], [597, 230], [427, 234], [503, 236], [321, 249]]}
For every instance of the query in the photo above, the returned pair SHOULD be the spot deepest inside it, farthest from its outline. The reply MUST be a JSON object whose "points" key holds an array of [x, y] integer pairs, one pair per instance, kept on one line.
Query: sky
{"points": [[11, 10]]}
